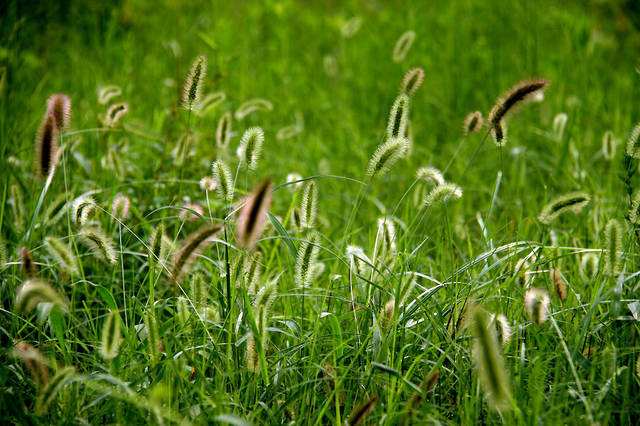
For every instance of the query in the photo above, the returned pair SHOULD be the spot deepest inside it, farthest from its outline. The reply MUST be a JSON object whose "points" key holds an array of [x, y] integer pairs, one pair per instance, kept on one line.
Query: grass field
{"points": [[326, 277]]}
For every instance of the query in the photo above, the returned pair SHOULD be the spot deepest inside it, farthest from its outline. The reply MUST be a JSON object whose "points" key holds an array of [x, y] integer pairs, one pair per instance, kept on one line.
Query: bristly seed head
{"points": [[47, 146], [613, 239], [473, 122], [609, 145], [443, 193], [386, 155], [192, 246], [192, 90], [412, 81], [115, 114], [250, 147], [633, 145], [572, 202], [398, 117], [222, 176], [35, 291], [536, 305], [98, 243], [634, 211], [120, 206], [559, 283], [111, 336], [223, 131], [430, 175], [306, 258], [403, 45], [251, 106], [309, 205], [253, 215], [59, 106]]}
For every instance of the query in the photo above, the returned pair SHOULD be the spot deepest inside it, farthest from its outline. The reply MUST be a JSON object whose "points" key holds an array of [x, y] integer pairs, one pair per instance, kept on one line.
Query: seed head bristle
{"points": [[633, 144], [559, 283], [59, 106], [52, 388], [386, 155], [488, 360], [309, 205], [251, 106], [250, 147], [609, 145], [47, 146], [100, 245], [589, 265], [192, 246], [111, 336], [28, 266], [307, 257], [634, 210], [412, 81], [402, 46], [536, 304], [613, 239], [430, 175], [523, 91], [362, 411], [223, 131], [442, 194], [559, 124], [252, 271], [192, 90], [473, 122], [62, 254], [398, 117], [107, 93], [222, 176], [572, 202], [120, 206], [115, 114], [82, 207], [35, 291], [253, 215]]}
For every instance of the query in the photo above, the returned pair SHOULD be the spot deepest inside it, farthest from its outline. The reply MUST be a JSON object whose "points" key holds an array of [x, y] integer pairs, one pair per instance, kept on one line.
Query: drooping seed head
{"points": [[359, 262], [522, 272], [222, 176], [47, 146], [208, 183], [120, 206], [28, 266], [251, 355], [386, 238], [293, 130], [386, 155], [398, 117], [47, 395], [294, 181], [307, 257], [499, 133], [107, 93], [34, 361], [442, 194], [488, 361], [62, 254], [111, 336], [559, 283], [191, 212], [251, 106], [253, 215], [403, 45], [412, 81], [252, 271], [473, 122], [82, 208], [190, 249], [250, 147], [633, 144], [430, 175], [100, 246], [351, 27], [115, 114], [502, 328], [309, 205], [192, 90], [613, 239], [223, 131], [361, 412], [522, 92], [59, 106], [210, 102], [573, 202], [536, 305], [35, 291]]}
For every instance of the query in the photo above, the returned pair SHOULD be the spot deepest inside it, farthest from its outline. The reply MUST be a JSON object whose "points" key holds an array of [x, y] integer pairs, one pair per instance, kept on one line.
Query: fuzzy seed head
{"points": [[307, 257], [250, 147], [208, 184], [398, 117], [294, 181], [120, 206], [522, 92], [98, 243], [536, 305], [111, 337], [223, 131], [309, 205], [589, 265], [430, 175], [359, 262], [107, 93], [502, 328], [613, 232], [559, 124], [224, 181], [634, 211], [412, 81], [402, 46], [59, 106], [47, 151], [210, 102], [473, 122], [559, 283], [62, 254], [190, 249], [633, 144], [192, 90], [609, 144], [253, 215], [386, 155], [386, 238], [442, 194], [34, 361], [115, 114], [573, 202], [35, 291], [28, 266], [251, 106], [82, 208], [52, 388]]}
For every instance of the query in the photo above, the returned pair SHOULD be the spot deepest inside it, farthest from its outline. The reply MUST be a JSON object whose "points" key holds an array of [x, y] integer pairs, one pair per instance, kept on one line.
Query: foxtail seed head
{"points": [[572, 202], [412, 81], [120, 206], [589, 265], [107, 93], [82, 207], [98, 243], [361, 412], [223, 131], [192, 90], [386, 155], [309, 205], [488, 360], [634, 211], [251, 106], [34, 361], [559, 283], [62, 254], [403, 45], [192, 246], [59, 106], [115, 114], [222, 176], [307, 257], [47, 146], [252, 271], [536, 305], [613, 239], [250, 147], [52, 388], [473, 122], [442, 194], [35, 291], [522, 92], [111, 336], [253, 215], [609, 144], [398, 117], [430, 175], [28, 266], [633, 144], [559, 124]]}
